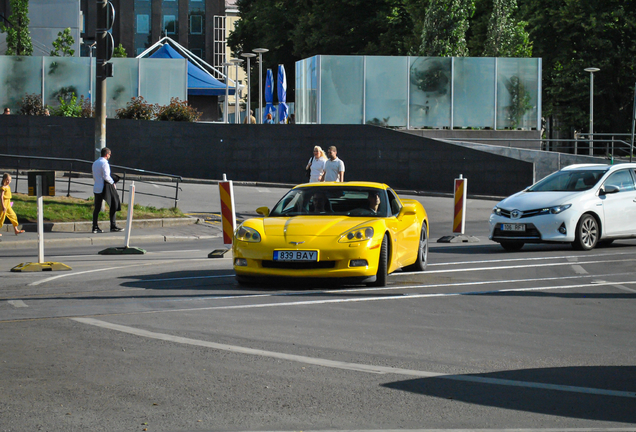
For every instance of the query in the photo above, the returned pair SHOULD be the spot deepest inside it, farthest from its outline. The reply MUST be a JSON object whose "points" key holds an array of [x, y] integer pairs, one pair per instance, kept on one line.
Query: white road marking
{"points": [[541, 258], [578, 269], [510, 267], [106, 269], [263, 190], [347, 365], [17, 303]]}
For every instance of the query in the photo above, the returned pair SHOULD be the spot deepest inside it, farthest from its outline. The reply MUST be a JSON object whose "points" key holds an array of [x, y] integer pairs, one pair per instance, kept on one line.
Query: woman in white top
{"points": [[317, 165]]}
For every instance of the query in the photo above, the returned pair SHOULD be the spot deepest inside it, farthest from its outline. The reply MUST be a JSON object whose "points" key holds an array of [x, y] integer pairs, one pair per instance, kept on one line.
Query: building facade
{"points": [[140, 23]]}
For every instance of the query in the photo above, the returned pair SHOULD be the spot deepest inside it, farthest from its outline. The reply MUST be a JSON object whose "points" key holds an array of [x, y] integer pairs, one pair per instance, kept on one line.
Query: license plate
{"points": [[513, 227], [296, 255]]}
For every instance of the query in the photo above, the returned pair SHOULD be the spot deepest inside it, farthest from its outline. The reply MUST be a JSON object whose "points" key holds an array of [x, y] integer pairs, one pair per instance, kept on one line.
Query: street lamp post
{"points": [[248, 113], [227, 91], [92, 74], [591, 70], [260, 52], [237, 108]]}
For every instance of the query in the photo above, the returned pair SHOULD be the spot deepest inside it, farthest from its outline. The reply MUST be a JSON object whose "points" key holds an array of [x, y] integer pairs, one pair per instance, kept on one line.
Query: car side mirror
{"points": [[407, 210], [263, 211], [609, 189]]}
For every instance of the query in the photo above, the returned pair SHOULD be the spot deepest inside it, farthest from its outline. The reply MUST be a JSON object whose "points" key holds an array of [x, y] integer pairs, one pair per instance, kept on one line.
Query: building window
{"points": [[196, 24], [170, 24], [143, 24], [197, 52]]}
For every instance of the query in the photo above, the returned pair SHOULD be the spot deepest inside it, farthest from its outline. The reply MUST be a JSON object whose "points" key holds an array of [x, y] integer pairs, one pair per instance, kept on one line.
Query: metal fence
{"points": [[77, 169]]}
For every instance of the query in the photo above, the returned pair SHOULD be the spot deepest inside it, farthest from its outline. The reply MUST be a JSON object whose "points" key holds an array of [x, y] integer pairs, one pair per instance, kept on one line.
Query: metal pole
{"points": [[237, 108], [591, 114], [631, 150], [591, 70], [248, 113], [101, 34], [227, 91], [260, 51]]}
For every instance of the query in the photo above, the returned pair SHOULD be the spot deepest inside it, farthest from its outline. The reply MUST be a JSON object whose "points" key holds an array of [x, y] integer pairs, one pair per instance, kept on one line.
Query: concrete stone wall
{"points": [[267, 153]]}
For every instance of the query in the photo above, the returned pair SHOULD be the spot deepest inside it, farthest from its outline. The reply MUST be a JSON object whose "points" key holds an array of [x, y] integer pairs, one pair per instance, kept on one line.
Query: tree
{"points": [[445, 26], [297, 29], [120, 51], [18, 35], [507, 37], [573, 35], [62, 45]]}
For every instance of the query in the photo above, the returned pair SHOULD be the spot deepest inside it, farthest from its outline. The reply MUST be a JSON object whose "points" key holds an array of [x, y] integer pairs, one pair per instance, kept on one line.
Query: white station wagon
{"points": [[585, 205]]}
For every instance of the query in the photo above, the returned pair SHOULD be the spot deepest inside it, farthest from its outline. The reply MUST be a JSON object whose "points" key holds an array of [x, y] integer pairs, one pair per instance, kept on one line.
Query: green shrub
{"points": [[68, 108], [178, 111], [138, 109], [32, 105]]}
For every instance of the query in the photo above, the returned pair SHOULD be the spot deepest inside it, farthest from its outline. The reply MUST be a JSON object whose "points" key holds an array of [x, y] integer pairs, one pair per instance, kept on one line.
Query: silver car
{"points": [[585, 205]]}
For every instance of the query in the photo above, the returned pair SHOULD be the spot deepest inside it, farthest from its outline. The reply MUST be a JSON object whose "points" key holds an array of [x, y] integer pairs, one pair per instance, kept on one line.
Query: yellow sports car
{"points": [[357, 231]]}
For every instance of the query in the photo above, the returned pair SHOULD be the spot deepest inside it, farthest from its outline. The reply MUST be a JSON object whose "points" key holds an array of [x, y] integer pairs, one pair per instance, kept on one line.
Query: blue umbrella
{"points": [[282, 95], [269, 95]]}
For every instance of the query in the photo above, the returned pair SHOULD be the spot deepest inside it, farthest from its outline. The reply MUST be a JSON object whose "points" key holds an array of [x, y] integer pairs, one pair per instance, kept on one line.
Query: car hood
{"points": [[310, 225], [536, 200]]}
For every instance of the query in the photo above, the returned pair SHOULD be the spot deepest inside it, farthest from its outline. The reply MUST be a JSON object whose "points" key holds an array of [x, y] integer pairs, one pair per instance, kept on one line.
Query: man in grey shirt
{"points": [[334, 167]]}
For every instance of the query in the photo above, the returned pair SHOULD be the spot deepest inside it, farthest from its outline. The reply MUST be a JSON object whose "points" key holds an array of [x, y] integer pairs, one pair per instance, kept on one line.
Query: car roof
{"points": [[344, 184], [598, 166]]}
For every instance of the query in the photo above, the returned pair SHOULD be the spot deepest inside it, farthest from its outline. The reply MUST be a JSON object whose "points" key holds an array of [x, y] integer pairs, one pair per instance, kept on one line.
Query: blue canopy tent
{"points": [[200, 83]]}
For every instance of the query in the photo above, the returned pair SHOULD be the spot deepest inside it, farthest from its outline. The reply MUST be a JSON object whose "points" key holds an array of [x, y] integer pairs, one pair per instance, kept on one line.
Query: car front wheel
{"points": [[382, 274], [586, 233], [422, 252]]}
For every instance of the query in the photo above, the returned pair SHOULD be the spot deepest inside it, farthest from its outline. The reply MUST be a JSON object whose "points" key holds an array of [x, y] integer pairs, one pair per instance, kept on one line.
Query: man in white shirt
{"points": [[101, 175], [334, 167]]}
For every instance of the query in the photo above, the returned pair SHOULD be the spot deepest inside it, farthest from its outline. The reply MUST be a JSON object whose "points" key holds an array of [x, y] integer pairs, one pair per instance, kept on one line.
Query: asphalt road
{"points": [[543, 339]]}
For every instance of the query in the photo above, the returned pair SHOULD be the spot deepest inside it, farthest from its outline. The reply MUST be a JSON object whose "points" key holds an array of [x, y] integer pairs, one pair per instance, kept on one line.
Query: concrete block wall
{"points": [[268, 153]]}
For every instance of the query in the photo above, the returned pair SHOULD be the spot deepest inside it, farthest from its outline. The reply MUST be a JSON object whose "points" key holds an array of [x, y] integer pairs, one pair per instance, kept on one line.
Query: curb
{"points": [[101, 241], [86, 226]]}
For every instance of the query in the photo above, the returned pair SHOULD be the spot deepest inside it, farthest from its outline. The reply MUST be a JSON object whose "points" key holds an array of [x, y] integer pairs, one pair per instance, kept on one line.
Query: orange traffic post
{"points": [[459, 220], [459, 214], [228, 216]]}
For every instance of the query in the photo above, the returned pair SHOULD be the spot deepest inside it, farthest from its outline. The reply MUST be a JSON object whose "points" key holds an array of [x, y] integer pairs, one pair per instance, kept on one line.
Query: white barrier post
{"points": [[126, 250]]}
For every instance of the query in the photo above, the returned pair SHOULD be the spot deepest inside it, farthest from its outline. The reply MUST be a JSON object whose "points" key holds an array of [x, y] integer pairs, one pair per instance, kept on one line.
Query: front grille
{"points": [[298, 265], [524, 214], [531, 232]]}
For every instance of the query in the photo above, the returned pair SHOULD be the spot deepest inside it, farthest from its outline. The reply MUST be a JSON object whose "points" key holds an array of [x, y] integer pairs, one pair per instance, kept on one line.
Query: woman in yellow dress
{"points": [[5, 200]]}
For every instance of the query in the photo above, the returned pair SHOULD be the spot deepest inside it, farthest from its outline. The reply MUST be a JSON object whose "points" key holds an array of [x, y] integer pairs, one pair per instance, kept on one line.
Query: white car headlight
{"points": [[357, 234], [247, 234], [556, 209], [496, 210]]}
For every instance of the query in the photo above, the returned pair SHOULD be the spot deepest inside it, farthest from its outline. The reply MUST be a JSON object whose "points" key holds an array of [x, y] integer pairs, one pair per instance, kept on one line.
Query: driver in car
{"points": [[374, 201]]}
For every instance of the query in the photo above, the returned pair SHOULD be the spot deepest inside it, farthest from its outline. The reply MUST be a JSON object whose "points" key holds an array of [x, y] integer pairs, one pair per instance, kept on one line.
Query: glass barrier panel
{"points": [[122, 86], [163, 79], [474, 92], [517, 93], [430, 92], [65, 77], [306, 88], [341, 87], [20, 76], [386, 91]]}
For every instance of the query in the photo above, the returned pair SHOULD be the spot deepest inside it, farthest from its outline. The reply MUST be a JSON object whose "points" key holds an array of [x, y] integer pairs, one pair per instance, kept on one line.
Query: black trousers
{"points": [[99, 199]]}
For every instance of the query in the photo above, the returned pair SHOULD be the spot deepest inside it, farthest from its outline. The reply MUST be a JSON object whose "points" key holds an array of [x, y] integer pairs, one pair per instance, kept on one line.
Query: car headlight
{"points": [[356, 235], [496, 210], [247, 234], [556, 209]]}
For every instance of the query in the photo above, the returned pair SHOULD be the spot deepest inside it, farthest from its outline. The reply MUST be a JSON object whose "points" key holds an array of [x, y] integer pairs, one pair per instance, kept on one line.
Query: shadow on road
{"points": [[589, 400]]}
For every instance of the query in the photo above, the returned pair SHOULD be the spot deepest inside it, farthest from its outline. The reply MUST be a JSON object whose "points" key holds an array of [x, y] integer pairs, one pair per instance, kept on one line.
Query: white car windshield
{"points": [[330, 201], [568, 181]]}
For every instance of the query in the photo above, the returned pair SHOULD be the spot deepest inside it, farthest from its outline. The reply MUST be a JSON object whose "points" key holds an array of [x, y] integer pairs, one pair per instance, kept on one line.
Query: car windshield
{"points": [[568, 181], [333, 200]]}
